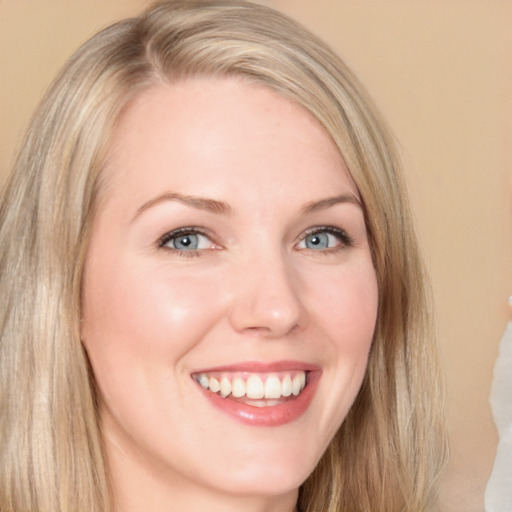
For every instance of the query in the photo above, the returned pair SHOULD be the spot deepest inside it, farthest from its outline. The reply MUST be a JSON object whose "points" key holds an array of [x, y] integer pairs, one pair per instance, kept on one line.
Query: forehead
{"points": [[204, 132]]}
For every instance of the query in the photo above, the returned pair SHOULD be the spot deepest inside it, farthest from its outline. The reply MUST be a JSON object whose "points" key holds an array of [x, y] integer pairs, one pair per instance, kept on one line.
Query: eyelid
{"points": [[344, 238], [183, 231]]}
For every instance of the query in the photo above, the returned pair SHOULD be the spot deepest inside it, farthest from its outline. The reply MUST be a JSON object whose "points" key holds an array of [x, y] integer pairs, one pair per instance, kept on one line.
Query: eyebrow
{"points": [[323, 204], [220, 207], [200, 203]]}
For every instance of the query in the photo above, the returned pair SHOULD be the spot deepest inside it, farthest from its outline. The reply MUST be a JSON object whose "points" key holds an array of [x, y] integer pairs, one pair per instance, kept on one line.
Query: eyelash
{"points": [[171, 235], [344, 239]]}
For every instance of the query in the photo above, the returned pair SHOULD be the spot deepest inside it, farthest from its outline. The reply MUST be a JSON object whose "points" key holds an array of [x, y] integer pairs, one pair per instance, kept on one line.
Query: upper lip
{"points": [[261, 367]]}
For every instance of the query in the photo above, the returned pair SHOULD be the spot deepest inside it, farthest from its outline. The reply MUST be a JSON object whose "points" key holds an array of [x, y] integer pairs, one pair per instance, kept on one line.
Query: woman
{"points": [[210, 275]]}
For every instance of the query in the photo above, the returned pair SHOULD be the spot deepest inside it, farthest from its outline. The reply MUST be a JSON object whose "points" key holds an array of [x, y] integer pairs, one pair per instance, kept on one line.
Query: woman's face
{"points": [[229, 251]]}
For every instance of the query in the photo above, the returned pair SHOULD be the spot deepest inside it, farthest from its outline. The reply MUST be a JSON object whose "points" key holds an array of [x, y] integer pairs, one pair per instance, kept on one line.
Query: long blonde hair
{"points": [[388, 453]]}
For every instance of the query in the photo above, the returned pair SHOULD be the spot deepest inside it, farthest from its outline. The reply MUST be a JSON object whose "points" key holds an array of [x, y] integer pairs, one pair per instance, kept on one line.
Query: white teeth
{"points": [[298, 383], [225, 387], [203, 380], [238, 387], [286, 386], [254, 387], [273, 387], [214, 384]]}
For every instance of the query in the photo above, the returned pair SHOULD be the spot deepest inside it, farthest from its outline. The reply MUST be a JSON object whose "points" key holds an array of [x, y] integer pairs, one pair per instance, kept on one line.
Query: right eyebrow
{"points": [[200, 203]]}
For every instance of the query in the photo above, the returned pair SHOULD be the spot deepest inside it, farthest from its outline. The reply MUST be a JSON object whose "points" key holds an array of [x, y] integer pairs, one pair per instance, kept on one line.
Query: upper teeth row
{"points": [[254, 387]]}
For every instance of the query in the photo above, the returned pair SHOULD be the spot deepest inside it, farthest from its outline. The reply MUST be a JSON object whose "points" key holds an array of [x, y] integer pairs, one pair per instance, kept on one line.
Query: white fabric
{"points": [[498, 495]]}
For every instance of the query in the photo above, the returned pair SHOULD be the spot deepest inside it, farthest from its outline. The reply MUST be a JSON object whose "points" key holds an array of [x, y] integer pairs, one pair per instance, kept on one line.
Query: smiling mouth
{"points": [[260, 394], [256, 389]]}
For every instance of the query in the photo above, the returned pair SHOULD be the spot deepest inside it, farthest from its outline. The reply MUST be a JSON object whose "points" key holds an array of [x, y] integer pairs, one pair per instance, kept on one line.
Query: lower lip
{"points": [[270, 416]]}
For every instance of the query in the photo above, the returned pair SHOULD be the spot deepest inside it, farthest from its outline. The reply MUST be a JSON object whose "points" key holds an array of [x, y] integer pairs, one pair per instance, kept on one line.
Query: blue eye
{"points": [[319, 241], [185, 240], [324, 239]]}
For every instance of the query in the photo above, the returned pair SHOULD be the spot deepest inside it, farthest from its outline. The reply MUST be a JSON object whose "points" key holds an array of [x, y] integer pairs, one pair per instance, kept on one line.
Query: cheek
{"points": [[347, 307], [343, 306], [135, 315]]}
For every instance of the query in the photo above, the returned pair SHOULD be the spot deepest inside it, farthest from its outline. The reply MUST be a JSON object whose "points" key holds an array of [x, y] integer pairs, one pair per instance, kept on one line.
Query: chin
{"points": [[262, 478]]}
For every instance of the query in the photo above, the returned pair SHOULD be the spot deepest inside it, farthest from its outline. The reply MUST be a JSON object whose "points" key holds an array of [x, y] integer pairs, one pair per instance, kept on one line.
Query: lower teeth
{"points": [[259, 403]]}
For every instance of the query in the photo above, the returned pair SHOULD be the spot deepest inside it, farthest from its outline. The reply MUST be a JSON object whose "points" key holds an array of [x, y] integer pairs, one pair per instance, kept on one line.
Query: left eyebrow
{"points": [[323, 204]]}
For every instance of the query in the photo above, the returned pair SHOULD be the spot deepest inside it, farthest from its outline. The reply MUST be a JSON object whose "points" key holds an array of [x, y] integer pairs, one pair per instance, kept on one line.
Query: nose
{"points": [[266, 299]]}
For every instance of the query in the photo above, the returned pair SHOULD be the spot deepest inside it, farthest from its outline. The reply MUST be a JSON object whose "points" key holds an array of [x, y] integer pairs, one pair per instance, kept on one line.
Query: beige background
{"points": [[441, 72]]}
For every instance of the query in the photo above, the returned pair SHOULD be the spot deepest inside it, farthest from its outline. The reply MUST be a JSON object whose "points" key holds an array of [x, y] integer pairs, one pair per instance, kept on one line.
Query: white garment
{"points": [[498, 495]]}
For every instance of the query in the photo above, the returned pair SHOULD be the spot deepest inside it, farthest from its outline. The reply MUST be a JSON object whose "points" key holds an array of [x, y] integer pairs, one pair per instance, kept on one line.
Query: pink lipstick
{"points": [[260, 394]]}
